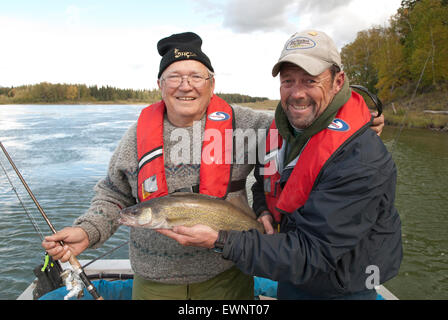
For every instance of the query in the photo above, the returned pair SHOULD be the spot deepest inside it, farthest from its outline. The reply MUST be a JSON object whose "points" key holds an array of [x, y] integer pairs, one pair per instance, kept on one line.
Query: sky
{"points": [[112, 42]]}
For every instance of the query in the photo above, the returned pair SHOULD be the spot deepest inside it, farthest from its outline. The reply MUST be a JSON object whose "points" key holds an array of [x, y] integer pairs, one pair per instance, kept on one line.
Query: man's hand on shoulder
{"points": [[378, 123]]}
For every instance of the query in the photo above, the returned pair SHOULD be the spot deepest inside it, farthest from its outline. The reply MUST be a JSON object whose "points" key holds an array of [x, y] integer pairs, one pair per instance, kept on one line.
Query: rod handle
{"points": [[74, 261]]}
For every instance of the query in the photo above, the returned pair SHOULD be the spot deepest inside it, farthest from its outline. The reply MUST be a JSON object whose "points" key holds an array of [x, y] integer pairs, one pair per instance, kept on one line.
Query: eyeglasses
{"points": [[195, 80]]}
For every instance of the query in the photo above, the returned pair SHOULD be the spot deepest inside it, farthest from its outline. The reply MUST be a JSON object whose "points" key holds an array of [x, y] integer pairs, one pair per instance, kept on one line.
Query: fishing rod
{"points": [[77, 268], [33, 222], [105, 254], [50, 275], [397, 136]]}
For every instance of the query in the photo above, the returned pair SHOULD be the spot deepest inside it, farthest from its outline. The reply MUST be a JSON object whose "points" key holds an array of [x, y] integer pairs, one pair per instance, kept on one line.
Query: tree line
{"points": [[45, 92], [409, 56], [239, 98]]}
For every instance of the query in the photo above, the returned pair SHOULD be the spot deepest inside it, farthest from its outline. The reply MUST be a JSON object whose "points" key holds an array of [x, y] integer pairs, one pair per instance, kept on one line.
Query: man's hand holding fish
{"points": [[198, 235]]}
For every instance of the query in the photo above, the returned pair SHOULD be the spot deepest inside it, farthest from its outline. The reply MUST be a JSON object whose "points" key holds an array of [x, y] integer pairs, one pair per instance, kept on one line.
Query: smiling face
{"points": [[305, 97], [186, 103]]}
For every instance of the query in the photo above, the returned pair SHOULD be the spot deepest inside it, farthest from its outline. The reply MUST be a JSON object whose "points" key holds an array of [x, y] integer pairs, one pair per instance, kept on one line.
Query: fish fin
{"points": [[162, 225]]}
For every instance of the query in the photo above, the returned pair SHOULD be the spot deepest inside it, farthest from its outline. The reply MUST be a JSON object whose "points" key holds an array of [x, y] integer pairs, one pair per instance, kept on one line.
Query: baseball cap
{"points": [[314, 51]]}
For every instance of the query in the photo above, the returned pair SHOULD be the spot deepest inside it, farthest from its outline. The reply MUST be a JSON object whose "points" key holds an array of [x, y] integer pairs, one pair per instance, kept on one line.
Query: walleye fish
{"points": [[188, 209]]}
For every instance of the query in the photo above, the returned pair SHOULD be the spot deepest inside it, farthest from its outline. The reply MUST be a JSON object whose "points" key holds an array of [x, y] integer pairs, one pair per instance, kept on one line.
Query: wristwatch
{"points": [[221, 241]]}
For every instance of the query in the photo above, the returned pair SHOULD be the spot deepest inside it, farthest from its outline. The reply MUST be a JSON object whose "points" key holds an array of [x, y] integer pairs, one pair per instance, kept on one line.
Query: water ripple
{"points": [[62, 151]]}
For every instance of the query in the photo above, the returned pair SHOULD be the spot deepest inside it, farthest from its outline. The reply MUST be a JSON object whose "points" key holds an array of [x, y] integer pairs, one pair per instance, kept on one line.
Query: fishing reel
{"points": [[73, 284]]}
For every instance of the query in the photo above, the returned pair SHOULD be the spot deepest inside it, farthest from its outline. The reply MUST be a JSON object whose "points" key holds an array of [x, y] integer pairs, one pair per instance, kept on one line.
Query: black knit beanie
{"points": [[181, 46]]}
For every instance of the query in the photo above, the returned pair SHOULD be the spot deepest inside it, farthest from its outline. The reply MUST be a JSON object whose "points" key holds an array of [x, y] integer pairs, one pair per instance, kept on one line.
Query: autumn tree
{"points": [[429, 19], [71, 92], [358, 58], [390, 65], [410, 54]]}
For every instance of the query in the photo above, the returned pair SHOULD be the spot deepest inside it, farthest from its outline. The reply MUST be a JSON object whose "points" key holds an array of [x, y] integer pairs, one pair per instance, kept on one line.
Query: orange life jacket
{"points": [[352, 117], [215, 170]]}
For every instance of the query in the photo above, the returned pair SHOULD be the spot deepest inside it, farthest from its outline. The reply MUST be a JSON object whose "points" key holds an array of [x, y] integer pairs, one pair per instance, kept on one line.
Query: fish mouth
{"points": [[127, 220]]}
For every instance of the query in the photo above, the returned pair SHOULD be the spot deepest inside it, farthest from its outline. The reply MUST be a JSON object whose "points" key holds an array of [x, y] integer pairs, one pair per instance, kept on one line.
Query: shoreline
{"points": [[87, 103], [421, 119]]}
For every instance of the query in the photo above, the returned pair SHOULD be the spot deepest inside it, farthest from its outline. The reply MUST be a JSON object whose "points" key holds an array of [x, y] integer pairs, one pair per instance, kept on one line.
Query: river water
{"points": [[63, 150]]}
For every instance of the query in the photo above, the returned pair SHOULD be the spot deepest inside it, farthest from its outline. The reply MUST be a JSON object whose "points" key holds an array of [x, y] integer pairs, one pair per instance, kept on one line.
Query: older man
{"points": [[328, 181], [146, 164]]}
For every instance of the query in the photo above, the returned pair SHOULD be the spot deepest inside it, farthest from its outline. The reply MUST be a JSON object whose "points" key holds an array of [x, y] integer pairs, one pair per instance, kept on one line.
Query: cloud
{"points": [[243, 62], [322, 5], [267, 15], [341, 19], [262, 15]]}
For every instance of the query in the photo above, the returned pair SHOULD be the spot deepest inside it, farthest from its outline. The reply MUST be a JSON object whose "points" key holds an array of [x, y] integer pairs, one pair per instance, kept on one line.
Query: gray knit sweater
{"points": [[154, 256]]}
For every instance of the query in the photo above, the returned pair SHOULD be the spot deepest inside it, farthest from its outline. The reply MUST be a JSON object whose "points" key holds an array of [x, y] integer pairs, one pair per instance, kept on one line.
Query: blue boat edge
{"points": [[264, 289]]}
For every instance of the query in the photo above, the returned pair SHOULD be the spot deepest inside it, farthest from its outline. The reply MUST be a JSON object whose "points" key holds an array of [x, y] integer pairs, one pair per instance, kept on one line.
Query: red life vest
{"points": [[351, 118], [215, 170]]}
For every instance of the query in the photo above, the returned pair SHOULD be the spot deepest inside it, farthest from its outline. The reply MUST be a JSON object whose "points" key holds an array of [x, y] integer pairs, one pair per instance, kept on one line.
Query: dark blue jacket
{"points": [[324, 249]]}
